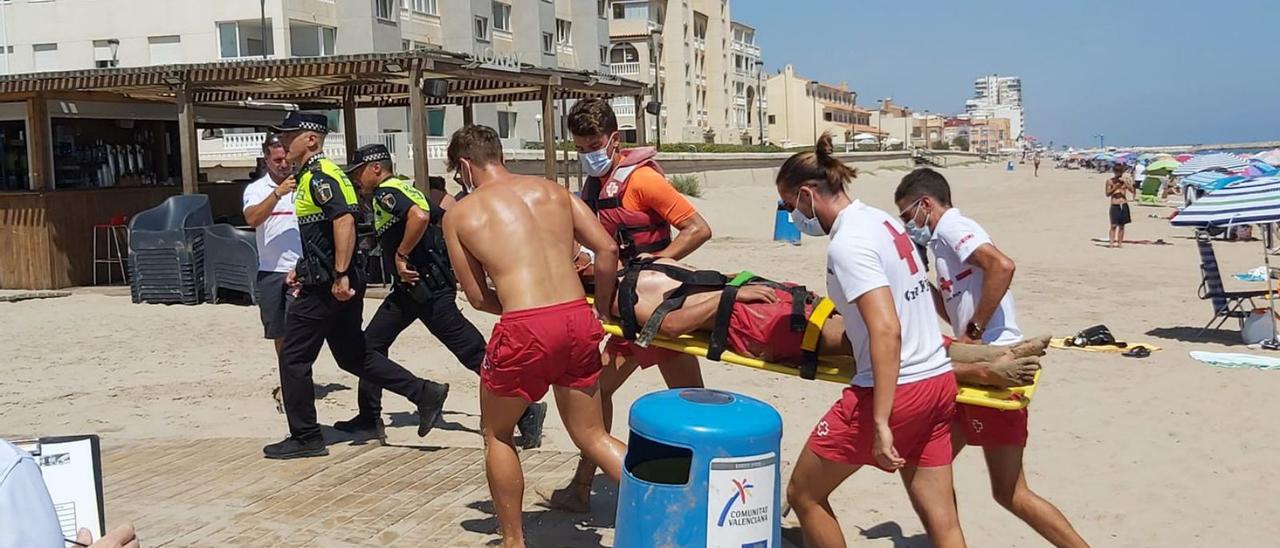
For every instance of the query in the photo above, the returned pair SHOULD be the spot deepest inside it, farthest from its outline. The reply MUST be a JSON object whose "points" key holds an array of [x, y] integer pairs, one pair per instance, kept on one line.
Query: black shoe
{"points": [[430, 406], [294, 448], [363, 424], [530, 426]]}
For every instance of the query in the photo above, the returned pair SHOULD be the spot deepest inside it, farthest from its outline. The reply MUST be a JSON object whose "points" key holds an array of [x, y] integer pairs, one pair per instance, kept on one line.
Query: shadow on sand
{"points": [[406, 418], [1194, 336], [546, 527], [892, 531]]}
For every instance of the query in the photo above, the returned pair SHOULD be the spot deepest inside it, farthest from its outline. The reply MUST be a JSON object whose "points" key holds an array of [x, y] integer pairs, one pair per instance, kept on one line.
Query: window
{"points": [[826, 116], [548, 43], [631, 9], [435, 122], [602, 9], [5, 62], [245, 39], [104, 55], [311, 40], [45, 56], [165, 50], [428, 7], [604, 55], [506, 125], [406, 45], [385, 10], [501, 16], [772, 119], [564, 32], [624, 53], [482, 28]]}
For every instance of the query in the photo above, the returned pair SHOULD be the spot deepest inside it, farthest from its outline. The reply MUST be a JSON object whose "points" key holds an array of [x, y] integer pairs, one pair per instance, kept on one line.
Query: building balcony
{"points": [[750, 50], [628, 109], [566, 49], [739, 101], [624, 69], [247, 147], [699, 43]]}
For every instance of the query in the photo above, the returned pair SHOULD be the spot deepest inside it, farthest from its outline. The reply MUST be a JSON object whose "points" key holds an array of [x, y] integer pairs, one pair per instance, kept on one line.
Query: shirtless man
{"points": [[1119, 186], [759, 328], [518, 231]]}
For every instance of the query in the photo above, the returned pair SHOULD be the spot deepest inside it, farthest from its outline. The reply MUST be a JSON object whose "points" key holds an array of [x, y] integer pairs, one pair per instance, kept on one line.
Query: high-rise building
{"points": [[801, 109], [997, 96], [696, 56], [547, 33]]}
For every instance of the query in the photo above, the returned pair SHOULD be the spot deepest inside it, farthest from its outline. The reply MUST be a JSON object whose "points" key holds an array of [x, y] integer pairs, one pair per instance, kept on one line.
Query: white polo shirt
{"points": [[27, 517], [954, 241], [869, 250], [279, 242]]}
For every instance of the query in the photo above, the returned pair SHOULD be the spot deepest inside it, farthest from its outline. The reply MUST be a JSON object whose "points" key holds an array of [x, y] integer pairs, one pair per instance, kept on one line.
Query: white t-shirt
{"points": [[954, 240], [26, 511], [870, 249], [279, 242]]}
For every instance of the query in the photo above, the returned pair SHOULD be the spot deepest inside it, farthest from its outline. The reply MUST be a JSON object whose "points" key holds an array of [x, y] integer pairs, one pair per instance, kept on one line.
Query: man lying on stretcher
{"points": [[763, 321]]}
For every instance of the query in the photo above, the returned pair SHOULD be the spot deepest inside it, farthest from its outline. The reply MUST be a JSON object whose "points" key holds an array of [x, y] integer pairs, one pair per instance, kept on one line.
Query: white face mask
{"points": [[596, 163], [807, 225], [465, 182], [919, 234]]}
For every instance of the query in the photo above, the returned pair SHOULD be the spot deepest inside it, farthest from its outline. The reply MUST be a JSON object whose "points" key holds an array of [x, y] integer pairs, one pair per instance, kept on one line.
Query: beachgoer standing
{"points": [[1119, 186], [268, 207], [897, 413], [1035, 162], [975, 276], [408, 227], [638, 207], [330, 297], [520, 231]]}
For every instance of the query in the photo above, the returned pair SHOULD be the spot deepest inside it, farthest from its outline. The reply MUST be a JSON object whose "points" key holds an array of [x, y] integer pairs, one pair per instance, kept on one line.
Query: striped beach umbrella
{"points": [[1216, 160], [1269, 156], [1246, 202]]}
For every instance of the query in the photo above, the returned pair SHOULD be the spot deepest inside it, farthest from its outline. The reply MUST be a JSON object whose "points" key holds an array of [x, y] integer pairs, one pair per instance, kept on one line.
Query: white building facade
{"points": [[997, 96]]}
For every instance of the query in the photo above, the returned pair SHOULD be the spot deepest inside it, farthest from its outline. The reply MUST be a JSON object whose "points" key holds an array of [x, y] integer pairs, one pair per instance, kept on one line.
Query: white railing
{"points": [[699, 43], [624, 110], [566, 49], [739, 101], [624, 69], [248, 146], [242, 141]]}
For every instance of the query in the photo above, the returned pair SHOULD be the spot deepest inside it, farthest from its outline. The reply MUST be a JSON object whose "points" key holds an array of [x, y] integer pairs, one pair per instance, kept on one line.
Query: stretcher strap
{"points": [[627, 300], [813, 337], [653, 326], [720, 333], [742, 278]]}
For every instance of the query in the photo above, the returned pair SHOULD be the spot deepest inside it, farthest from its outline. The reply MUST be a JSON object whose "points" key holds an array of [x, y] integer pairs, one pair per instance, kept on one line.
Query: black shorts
{"points": [[274, 298], [1120, 215]]}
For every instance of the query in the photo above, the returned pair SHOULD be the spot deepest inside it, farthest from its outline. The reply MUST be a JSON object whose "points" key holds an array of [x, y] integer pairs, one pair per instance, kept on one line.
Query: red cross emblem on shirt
{"points": [[906, 250], [945, 285]]}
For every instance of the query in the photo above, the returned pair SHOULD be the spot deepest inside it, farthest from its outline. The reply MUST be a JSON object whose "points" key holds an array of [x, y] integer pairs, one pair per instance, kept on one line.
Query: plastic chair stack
{"points": [[230, 261], [166, 251]]}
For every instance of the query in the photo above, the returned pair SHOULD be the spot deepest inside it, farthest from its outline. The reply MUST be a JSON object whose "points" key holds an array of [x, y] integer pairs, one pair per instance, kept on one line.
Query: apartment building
{"points": [[997, 96], [691, 50], [568, 34], [801, 109], [893, 122]]}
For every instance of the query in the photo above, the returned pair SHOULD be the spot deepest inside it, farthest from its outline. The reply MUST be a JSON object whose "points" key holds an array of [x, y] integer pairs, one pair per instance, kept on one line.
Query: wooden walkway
{"points": [[222, 492]]}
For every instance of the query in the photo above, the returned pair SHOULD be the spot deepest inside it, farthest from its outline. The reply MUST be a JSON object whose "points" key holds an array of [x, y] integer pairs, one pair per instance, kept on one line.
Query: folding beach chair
{"points": [[1226, 304], [1150, 193]]}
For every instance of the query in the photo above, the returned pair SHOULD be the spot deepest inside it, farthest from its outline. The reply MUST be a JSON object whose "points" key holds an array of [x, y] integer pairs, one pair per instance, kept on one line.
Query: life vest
{"points": [[635, 231], [305, 205]]}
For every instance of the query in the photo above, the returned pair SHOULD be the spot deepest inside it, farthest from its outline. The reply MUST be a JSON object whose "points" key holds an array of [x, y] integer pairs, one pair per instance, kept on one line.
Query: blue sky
{"points": [[1149, 72]]}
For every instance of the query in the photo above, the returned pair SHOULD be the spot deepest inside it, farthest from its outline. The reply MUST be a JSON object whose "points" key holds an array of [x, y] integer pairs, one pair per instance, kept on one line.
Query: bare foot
{"points": [[1034, 346], [1010, 372], [575, 499]]}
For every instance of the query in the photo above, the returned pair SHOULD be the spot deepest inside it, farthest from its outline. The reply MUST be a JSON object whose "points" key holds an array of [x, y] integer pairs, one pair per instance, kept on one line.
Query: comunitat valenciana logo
{"points": [[741, 515]]}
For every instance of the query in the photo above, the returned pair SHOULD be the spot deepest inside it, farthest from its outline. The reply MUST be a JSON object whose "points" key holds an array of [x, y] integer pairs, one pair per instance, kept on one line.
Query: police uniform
{"points": [[323, 195], [432, 300]]}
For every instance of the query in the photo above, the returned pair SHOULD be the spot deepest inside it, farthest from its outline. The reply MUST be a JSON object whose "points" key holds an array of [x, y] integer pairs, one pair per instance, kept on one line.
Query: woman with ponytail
{"points": [[897, 413]]}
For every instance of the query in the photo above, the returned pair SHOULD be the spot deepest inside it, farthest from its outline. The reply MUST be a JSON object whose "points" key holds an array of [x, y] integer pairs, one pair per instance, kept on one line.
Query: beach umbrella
{"points": [[1183, 157], [1217, 160], [1265, 168], [1249, 201], [865, 137], [1105, 157], [1271, 157], [1205, 179], [1162, 167]]}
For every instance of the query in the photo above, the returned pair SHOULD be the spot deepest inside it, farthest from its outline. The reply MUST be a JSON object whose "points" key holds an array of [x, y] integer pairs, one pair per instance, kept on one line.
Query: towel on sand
{"points": [[1061, 342], [1237, 361]]}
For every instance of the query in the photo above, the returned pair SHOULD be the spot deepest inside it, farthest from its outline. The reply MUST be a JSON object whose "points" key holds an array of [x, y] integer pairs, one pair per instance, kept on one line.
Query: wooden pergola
{"points": [[346, 82]]}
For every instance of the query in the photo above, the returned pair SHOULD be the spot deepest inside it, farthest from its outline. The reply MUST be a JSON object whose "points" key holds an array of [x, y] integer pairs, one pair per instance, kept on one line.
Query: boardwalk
{"points": [[222, 492]]}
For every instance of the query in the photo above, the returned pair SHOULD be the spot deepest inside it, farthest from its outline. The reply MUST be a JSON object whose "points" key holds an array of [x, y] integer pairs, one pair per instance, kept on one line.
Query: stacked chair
{"points": [[166, 251], [230, 261]]}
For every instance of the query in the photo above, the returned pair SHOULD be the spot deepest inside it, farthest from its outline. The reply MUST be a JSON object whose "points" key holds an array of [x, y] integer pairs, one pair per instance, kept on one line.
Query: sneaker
{"points": [[361, 424], [530, 426], [294, 448], [431, 405]]}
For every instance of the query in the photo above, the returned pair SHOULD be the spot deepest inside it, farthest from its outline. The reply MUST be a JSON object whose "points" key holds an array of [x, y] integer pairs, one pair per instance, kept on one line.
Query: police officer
{"points": [[330, 295], [408, 227]]}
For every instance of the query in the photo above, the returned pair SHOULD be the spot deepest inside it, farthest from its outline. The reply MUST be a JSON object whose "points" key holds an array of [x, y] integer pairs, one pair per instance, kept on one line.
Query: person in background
{"points": [[407, 224], [330, 297], [1036, 163], [1119, 187], [27, 515], [975, 277], [438, 194], [268, 208]]}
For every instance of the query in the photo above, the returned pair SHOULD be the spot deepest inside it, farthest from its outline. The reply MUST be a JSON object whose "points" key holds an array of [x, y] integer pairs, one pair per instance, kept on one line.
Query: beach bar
{"points": [[80, 148]]}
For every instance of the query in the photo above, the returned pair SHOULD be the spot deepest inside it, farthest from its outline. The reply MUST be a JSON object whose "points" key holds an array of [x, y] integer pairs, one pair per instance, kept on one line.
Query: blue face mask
{"points": [[807, 225], [919, 234], [596, 163]]}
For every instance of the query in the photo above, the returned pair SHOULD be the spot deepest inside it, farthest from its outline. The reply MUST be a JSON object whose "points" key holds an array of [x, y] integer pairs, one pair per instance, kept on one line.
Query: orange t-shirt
{"points": [[649, 190]]}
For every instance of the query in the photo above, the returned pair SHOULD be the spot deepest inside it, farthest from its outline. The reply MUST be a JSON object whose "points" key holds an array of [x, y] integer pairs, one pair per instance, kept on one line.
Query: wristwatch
{"points": [[974, 331], [337, 274]]}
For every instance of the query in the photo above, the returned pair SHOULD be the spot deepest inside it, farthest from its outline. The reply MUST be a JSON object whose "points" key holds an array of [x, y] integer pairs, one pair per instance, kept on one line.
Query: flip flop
{"points": [[1137, 352]]}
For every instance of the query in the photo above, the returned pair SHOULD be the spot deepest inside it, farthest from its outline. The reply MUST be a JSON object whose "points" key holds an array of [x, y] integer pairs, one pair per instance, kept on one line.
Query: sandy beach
{"points": [[1162, 451]]}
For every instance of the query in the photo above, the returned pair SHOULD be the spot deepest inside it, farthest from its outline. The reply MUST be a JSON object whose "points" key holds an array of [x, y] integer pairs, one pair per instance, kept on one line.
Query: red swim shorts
{"points": [[763, 330], [921, 424], [537, 347], [647, 357], [987, 427]]}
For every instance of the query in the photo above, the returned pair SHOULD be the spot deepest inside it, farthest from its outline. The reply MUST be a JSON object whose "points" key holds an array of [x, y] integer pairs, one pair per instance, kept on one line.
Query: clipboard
{"points": [[71, 467]]}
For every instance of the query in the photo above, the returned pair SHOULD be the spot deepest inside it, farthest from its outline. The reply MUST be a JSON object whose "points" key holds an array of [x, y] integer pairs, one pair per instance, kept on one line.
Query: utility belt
{"points": [[809, 324], [435, 278], [315, 268]]}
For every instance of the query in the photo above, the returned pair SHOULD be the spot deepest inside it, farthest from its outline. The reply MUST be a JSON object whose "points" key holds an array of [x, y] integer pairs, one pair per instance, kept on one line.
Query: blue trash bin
{"points": [[1009, 167], [783, 229], [702, 469]]}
